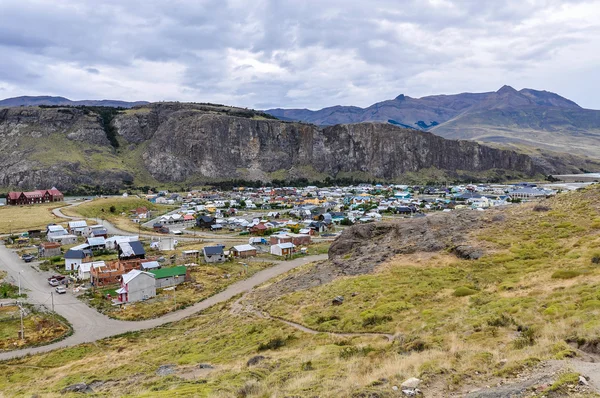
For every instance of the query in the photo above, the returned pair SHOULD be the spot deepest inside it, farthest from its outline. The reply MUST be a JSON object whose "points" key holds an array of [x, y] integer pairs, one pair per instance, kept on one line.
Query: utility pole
{"points": [[20, 282], [52, 296], [22, 333]]}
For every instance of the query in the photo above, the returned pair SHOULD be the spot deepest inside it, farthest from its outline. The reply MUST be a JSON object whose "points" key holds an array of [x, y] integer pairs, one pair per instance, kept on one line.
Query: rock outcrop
{"points": [[198, 143]]}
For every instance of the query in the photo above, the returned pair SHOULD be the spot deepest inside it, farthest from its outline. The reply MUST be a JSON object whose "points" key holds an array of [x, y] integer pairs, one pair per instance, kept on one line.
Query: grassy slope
{"points": [[23, 218], [100, 208], [445, 339]]}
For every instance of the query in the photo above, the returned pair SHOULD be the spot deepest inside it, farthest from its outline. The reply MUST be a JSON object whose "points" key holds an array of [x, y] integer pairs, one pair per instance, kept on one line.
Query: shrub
{"points": [[566, 274], [464, 291], [525, 339], [306, 366], [272, 344], [564, 380], [375, 319], [502, 320], [349, 352]]}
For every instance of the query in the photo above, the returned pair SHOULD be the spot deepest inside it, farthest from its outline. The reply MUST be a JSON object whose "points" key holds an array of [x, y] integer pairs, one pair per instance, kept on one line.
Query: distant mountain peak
{"points": [[506, 90], [401, 97]]}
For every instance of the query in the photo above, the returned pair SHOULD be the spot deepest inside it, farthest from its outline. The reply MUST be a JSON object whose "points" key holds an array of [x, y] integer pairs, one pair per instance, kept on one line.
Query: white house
{"points": [[73, 259], [283, 249], [77, 227], [66, 239], [54, 231], [214, 254], [83, 272], [136, 285]]}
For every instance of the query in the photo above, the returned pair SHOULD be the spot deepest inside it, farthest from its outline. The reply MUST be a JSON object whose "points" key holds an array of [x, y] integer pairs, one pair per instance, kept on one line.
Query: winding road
{"points": [[89, 325]]}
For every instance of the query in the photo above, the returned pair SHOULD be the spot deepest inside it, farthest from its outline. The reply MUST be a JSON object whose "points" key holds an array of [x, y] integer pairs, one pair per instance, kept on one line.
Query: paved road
{"points": [[89, 325]]}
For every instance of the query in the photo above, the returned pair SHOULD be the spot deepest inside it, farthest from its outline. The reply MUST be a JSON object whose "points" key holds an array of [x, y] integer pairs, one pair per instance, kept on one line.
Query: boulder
{"points": [[411, 383], [165, 370], [467, 252], [338, 300], [255, 360], [79, 387]]}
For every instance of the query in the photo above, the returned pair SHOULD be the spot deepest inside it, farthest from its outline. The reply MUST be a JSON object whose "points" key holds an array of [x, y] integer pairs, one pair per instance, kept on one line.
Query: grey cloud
{"points": [[271, 53]]}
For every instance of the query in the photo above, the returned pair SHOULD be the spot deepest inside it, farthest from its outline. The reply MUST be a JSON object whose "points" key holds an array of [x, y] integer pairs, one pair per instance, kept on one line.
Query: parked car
{"points": [[28, 258], [61, 290], [53, 282]]}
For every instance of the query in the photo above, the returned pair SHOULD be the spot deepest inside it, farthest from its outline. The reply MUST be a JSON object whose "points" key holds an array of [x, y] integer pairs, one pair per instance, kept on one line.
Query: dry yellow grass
{"points": [[22, 218]]}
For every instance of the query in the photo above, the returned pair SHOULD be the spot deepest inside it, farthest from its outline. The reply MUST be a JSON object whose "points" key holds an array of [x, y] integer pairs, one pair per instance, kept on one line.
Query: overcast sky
{"points": [[305, 54]]}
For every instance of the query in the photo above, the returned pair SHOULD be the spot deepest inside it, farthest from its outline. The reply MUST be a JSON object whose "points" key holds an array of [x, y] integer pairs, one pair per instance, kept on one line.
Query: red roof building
{"points": [[34, 197]]}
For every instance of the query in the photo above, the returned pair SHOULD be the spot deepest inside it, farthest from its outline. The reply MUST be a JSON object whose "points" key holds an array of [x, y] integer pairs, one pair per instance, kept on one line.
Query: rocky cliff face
{"points": [[172, 142]]}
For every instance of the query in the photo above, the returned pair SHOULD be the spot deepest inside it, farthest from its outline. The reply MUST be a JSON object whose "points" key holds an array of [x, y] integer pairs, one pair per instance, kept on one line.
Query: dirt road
{"points": [[89, 325]]}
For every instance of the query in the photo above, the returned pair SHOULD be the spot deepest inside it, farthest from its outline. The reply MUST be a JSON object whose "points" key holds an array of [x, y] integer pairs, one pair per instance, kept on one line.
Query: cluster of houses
{"points": [[314, 210]]}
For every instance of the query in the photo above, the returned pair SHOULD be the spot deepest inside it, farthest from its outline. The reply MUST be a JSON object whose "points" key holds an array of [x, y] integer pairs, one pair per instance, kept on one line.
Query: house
{"points": [[131, 250], [136, 285], [109, 273], [53, 231], [95, 231], [283, 249], [243, 251], [113, 242], [97, 243], [83, 272], [259, 229], [34, 197], [214, 254], [67, 239], [205, 221], [49, 249], [148, 265], [74, 259], [77, 227], [300, 239], [280, 238], [166, 277]]}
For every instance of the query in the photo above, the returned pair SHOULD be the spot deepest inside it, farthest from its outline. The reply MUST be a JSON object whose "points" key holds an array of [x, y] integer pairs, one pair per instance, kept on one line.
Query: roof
{"points": [[50, 245], [100, 241], [129, 249], [86, 267], [168, 272], [77, 224], [75, 254], [286, 245], [82, 246], [134, 273], [244, 248], [150, 265], [210, 250], [99, 231], [55, 228]]}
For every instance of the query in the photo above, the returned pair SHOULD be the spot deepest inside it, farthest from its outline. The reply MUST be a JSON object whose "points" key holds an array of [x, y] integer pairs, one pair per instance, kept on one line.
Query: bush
{"points": [[112, 209], [464, 291], [349, 352], [374, 319], [502, 320], [566, 274], [272, 344], [525, 339]]}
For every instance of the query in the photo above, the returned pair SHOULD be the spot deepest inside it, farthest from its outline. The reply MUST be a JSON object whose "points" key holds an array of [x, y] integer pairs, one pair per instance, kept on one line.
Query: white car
{"points": [[61, 290]]}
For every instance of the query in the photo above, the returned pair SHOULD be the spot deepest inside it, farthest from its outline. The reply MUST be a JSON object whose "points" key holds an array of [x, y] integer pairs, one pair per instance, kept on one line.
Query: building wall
{"points": [[72, 264], [215, 258], [170, 281], [140, 288]]}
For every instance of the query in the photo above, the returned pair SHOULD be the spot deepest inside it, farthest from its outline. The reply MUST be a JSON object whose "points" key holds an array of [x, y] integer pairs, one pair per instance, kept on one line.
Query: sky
{"points": [[297, 54]]}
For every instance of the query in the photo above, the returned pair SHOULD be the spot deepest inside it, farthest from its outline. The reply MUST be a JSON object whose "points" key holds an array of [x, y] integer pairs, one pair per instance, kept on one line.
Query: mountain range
{"points": [[46, 100], [508, 117]]}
